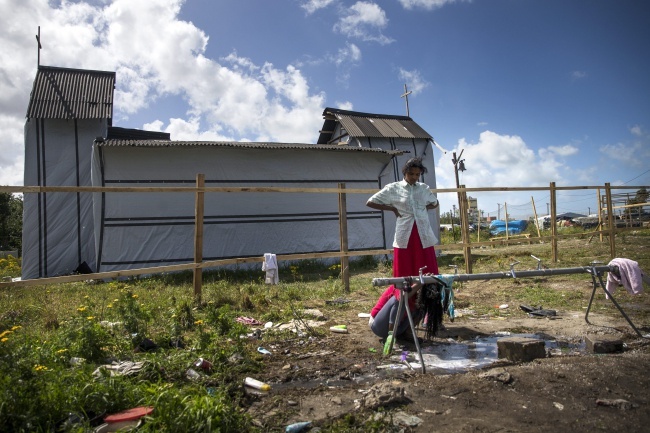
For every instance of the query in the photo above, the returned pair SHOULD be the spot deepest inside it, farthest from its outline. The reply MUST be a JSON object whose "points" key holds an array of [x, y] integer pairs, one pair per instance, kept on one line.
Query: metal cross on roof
{"points": [[405, 95]]}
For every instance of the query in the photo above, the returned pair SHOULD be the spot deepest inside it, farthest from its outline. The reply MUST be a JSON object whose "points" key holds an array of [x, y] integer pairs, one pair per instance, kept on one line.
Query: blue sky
{"points": [[532, 91]]}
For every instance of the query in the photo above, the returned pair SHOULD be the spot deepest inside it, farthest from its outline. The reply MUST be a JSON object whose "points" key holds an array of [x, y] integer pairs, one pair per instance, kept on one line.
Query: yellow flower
{"points": [[60, 351], [90, 317], [5, 333], [199, 322], [81, 309], [40, 368], [116, 300], [4, 340], [16, 328], [134, 296], [109, 306]]}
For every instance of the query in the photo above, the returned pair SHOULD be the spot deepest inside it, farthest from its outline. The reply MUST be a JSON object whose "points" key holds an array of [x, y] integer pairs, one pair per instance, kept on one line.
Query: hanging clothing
{"points": [[631, 277], [270, 265]]}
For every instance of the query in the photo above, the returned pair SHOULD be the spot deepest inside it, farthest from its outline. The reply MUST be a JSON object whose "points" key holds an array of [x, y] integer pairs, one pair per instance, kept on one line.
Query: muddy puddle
{"points": [[441, 357], [451, 356]]}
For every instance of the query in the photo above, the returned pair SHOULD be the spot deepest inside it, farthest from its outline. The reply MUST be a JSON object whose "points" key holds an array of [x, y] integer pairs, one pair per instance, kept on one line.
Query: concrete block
{"points": [[521, 349], [603, 344]]}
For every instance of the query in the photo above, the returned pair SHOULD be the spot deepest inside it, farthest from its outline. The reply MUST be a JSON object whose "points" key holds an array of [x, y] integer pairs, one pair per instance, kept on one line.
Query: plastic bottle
{"points": [[297, 427], [257, 384], [388, 343], [341, 329]]}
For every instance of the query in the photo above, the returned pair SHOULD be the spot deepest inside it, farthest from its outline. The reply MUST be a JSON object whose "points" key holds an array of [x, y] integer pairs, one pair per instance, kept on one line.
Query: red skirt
{"points": [[408, 261]]}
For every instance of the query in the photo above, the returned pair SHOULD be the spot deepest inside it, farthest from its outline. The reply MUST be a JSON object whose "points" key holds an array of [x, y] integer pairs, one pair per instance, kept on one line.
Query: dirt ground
{"points": [[340, 376]]}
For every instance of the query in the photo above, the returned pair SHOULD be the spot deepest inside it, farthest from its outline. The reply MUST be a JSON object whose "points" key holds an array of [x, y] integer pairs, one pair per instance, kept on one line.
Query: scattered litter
{"points": [[560, 406], [192, 374], [617, 403], [297, 427], [248, 321], [146, 345], [77, 361], [124, 368], [537, 311], [268, 325], [110, 325], [364, 315], [257, 384], [203, 364], [341, 329], [263, 351], [502, 306], [321, 353]]}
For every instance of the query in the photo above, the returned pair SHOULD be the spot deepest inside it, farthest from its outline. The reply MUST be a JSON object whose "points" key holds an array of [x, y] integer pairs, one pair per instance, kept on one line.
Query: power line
{"points": [[635, 177]]}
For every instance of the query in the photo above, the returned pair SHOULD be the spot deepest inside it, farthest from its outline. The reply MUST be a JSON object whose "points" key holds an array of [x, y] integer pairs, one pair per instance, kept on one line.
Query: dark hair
{"points": [[414, 163]]}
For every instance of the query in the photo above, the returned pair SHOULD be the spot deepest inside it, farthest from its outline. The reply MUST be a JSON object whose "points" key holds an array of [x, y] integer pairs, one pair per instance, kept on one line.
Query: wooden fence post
{"points": [[553, 223], [464, 227], [199, 208], [343, 236], [611, 228]]}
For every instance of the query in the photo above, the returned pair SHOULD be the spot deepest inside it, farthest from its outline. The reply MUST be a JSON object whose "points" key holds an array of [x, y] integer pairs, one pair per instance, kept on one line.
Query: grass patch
{"points": [[156, 321]]}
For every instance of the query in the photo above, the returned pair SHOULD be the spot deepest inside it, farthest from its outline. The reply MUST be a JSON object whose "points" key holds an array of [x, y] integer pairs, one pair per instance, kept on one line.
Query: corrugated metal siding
{"points": [[62, 93], [250, 145]]}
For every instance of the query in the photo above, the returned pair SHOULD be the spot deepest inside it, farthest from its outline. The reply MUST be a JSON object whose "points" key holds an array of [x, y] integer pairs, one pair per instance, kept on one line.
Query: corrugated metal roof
{"points": [[62, 93], [242, 145], [359, 124], [118, 133]]}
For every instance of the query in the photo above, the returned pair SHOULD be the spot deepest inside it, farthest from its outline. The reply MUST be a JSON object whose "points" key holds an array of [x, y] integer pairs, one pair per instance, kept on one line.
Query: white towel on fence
{"points": [[270, 266]]}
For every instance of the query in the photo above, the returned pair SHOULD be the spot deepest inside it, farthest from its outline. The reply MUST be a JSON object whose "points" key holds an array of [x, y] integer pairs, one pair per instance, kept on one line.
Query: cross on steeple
{"points": [[405, 95], [38, 40]]}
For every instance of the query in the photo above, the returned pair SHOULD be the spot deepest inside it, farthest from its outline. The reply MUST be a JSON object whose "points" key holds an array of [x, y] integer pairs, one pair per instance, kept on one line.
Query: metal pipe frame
{"points": [[596, 273]]}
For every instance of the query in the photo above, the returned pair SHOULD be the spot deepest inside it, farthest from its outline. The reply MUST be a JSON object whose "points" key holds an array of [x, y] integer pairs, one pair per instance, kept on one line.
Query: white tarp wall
{"points": [[58, 226], [139, 230]]}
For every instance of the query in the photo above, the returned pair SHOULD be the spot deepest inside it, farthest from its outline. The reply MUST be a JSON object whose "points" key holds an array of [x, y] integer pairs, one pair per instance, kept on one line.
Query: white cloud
{"points": [[350, 53], [312, 6], [345, 105], [413, 79], [230, 98], [364, 21], [577, 75], [636, 130], [426, 4], [566, 150], [632, 155], [497, 160]]}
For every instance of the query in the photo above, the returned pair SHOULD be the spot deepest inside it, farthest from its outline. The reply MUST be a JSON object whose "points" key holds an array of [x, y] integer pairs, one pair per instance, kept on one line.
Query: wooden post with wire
{"points": [[610, 220], [199, 208], [553, 222], [539, 233], [343, 236]]}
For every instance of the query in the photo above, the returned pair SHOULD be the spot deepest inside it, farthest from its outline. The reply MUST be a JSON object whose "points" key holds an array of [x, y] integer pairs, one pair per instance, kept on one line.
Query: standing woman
{"points": [[413, 245]]}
